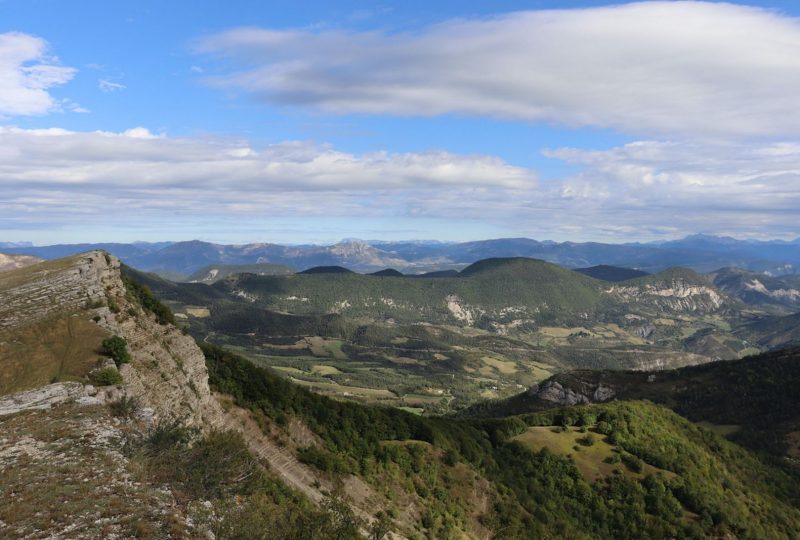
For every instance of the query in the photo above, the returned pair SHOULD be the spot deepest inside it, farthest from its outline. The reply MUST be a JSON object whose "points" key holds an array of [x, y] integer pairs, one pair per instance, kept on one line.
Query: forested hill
{"points": [[758, 395], [627, 469]]}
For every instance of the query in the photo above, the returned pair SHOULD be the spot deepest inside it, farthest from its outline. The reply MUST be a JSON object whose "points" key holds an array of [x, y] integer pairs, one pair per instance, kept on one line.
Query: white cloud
{"points": [[54, 175], [685, 68], [26, 75], [734, 188], [109, 86]]}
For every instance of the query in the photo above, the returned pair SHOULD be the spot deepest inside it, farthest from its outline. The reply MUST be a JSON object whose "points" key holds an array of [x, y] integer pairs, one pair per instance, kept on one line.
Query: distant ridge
{"points": [[327, 270], [701, 253], [437, 274], [607, 272], [389, 272], [501, 263]]}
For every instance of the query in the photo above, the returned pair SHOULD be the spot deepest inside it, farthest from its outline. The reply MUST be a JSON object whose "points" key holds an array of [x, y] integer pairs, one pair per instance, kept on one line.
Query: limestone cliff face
{"points": [[676, 295], [582, 393], [167, 371], [70, 284]]}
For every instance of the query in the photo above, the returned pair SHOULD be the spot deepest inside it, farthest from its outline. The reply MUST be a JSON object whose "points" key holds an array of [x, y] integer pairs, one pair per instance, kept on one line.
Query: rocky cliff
{"points": [[674, 295], [167, 372]]}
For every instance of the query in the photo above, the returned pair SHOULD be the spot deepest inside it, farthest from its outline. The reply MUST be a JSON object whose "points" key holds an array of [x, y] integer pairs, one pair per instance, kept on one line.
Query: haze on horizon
{"points": [[309, 123]]}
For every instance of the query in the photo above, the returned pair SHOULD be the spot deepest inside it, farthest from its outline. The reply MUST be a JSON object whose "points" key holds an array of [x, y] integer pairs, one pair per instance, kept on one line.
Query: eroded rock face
{"points": [[47, 397], [672, 295], [554, 392], [167, 372], [67, 285], [585, 393]]}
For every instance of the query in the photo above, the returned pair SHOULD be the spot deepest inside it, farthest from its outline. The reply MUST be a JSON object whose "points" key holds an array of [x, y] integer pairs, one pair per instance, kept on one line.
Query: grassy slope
{"points": [[59, 348], [64, 346]]}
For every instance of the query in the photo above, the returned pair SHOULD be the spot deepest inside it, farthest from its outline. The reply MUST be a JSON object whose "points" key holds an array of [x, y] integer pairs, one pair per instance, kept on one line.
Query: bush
{"points": [[633, 463], [145, 298], [125, 407], [106, 377], [116, 348], [588, 440]]}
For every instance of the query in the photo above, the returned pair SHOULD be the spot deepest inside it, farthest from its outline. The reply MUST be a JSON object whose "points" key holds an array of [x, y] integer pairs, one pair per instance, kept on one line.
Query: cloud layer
{"points": [[26, 75], [56, 178], [679, 68], [668, 188]]}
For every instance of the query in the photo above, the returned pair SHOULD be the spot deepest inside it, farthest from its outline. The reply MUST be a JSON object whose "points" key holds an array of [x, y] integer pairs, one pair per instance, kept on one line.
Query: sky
{"points": [[310, 121]]}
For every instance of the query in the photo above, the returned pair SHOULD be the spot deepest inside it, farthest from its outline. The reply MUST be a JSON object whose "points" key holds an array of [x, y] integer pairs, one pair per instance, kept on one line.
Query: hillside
{"points": [[215, 272], [773, 332], [605, 272], [12, 262], [485, 293], [275, 460], [781, 294], [434, 344], [756, 397]]}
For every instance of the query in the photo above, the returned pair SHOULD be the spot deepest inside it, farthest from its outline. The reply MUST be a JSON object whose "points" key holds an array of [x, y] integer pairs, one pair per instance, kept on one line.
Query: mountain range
{"points": [[703, 253]]}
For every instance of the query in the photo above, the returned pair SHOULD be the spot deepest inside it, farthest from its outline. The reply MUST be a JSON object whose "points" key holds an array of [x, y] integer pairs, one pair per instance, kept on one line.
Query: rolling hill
{"points": [[215, 272], [605, 272], [780, 294], [439, 343]]}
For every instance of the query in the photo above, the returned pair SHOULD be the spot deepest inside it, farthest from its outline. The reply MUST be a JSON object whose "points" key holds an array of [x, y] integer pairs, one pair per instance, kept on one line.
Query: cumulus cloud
{"points": [[49, 175], [654, 68], [26, 75]]}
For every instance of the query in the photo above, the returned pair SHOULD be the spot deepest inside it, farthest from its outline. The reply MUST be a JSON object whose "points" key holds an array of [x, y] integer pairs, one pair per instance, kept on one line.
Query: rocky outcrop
{"points": [[583, 393], [50, 396], [167, 372], [71, 284], [677, 295]]}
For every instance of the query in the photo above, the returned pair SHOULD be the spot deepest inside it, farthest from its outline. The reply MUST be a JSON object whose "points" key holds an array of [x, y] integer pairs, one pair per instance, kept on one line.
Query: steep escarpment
{"points": [[78, 302], [85, 294], [674, 290]]}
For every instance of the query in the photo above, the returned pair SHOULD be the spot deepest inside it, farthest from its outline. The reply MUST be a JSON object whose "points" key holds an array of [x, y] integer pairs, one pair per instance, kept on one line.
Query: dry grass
{"points": [[506, 367], [61, 348], [61, 475], [198, 311]]}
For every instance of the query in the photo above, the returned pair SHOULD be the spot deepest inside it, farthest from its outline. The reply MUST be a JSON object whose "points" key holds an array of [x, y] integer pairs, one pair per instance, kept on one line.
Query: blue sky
{"points": [[312, 121]]}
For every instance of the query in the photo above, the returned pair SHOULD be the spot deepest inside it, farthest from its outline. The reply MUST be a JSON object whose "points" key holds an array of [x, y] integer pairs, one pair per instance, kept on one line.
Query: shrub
{"points": [[106, 377], [144, 296], [588, 440], [116, 348], [125, 407], [633, 463]]}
